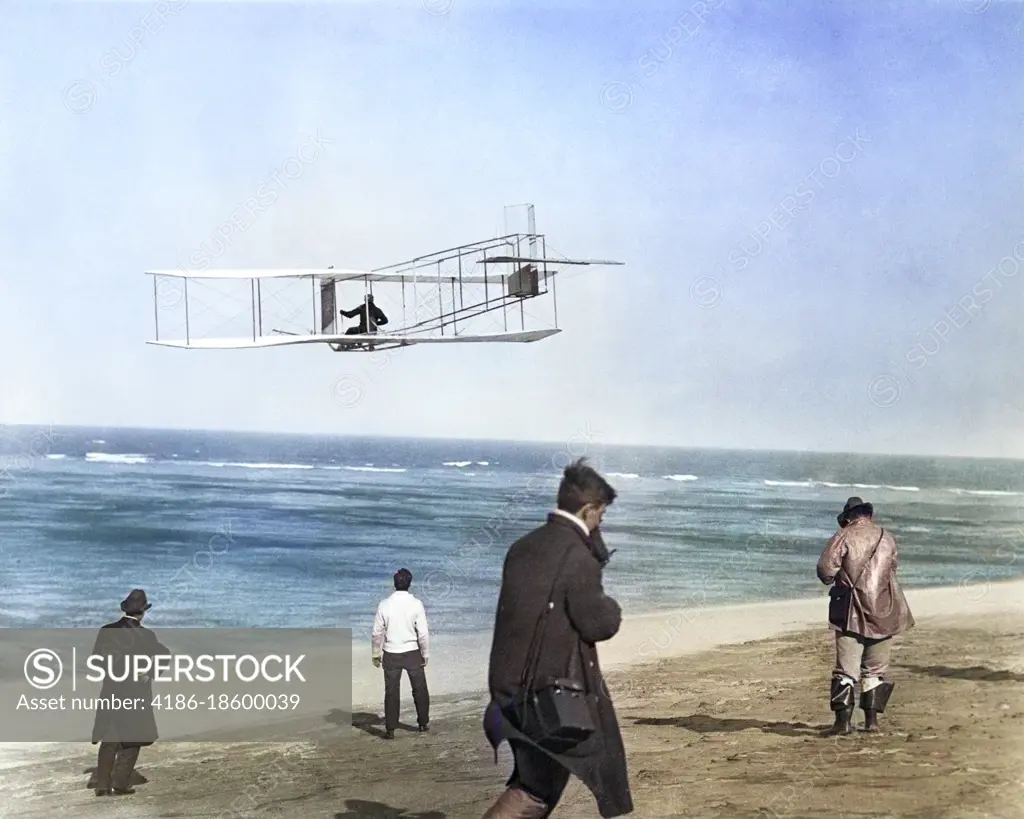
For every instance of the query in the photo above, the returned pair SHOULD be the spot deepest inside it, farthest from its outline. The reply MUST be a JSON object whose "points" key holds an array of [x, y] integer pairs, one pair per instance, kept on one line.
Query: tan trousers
{"points": [[862, 659]]}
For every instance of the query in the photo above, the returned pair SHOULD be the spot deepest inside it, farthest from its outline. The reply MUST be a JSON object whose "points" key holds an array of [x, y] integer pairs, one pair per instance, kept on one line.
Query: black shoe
{"points": [[389, 734], [103, 791], [122, 791], [424, 729]]}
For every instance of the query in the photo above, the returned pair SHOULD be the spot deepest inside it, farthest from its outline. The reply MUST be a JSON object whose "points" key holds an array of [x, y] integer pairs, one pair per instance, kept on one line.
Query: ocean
{"points": [[259, 530]]}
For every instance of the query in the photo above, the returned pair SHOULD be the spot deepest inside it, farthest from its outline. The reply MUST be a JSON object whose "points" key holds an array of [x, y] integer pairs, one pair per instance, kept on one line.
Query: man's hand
{"points": [[425, 661], [376, 662]]}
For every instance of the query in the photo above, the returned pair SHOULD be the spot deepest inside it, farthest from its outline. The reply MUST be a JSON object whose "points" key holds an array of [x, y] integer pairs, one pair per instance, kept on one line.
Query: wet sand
{"points": [[714, 726]]}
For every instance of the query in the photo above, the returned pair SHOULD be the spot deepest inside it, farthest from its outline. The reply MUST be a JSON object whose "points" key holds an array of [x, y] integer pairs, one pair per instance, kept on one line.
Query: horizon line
{"points": [[529, 442]]}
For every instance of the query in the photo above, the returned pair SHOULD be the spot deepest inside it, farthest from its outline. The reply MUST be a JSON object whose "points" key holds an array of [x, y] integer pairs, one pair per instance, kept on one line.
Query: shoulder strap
{"points": [[867, 562], [533, 655]]}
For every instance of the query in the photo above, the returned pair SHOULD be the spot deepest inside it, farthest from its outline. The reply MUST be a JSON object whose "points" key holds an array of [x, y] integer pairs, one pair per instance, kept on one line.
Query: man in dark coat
{"points": [[581, 616], [370, 318], [121, 733]]}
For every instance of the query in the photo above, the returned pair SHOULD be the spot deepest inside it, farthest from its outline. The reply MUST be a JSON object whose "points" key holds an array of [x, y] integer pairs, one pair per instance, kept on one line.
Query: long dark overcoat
{"points": [[583, 616], [135, 727]]}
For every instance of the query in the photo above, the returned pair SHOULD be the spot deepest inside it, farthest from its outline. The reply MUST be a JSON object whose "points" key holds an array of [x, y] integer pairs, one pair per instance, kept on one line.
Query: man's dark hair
{"points": [[582, 485], [403, 579]]}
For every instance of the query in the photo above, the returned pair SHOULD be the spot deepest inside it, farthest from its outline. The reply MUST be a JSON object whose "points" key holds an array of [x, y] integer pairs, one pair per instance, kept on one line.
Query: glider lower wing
{"points": [[377, 339]]}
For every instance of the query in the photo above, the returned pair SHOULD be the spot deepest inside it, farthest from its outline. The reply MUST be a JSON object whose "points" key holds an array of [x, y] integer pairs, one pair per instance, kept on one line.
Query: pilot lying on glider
{"points": [[370, 317]]}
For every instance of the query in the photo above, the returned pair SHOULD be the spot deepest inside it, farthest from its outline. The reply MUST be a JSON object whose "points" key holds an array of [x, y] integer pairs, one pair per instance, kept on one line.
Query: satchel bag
{"points": [[841, 595], [552, 711]]}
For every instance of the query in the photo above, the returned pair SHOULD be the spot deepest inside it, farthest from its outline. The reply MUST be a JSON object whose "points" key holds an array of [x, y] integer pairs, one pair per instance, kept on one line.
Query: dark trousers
{"points": [[394, 664], [115, 764], [538, 774]]}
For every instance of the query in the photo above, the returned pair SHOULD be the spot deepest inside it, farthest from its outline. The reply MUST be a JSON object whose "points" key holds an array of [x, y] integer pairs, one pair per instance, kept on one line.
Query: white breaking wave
{"points": [[259, 466], [681, 477], [373, 469], [459, 464], [996, 493], [56, 457], [105, 457], [788, 483], [833, 485], [623, 475]]}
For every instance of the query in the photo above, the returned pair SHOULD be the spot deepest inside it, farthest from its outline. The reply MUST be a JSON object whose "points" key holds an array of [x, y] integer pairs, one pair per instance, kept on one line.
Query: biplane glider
{"points": [[465, 294]]}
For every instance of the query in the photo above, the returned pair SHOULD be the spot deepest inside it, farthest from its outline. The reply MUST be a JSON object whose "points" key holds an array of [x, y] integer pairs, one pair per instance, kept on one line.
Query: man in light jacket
{"points": [[401, 635], [867, 609]]}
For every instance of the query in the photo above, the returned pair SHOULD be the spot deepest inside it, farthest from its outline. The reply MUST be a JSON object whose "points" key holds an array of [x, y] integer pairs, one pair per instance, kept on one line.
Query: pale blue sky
{"points": [[442, 113]]}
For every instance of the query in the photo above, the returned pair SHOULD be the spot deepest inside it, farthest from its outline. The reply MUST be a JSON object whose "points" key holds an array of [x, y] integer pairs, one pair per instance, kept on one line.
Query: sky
{"points": [[818, 205]]}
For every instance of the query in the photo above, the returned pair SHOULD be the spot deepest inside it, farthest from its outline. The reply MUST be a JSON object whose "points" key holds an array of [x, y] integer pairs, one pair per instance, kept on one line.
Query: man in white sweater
{"points": [[401, 635]]}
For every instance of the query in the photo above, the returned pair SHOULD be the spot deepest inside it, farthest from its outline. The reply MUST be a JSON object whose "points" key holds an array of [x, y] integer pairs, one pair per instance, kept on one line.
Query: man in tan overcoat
{"points": [[867, 610]]}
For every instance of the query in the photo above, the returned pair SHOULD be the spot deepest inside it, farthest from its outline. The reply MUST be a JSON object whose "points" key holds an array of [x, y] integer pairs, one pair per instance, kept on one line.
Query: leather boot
{"points": [[873, 703], [515, 803], [841, 701]]}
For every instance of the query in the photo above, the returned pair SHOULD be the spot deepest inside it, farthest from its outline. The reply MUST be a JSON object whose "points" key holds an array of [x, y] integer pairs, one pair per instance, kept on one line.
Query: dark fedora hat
{"points": [[135, 602], [854, 506]]}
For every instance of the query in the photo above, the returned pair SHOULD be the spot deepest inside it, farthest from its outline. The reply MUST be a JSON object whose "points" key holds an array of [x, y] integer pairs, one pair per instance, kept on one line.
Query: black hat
{"points": [[854, 506], [135, 603]]}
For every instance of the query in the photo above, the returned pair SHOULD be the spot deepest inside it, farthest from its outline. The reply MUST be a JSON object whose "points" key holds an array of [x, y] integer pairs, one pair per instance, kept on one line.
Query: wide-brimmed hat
{"points": [[135, 602], [854, 506]]}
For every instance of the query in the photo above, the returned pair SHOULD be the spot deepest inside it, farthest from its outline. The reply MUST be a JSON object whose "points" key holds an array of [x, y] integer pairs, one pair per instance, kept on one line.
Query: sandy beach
{"points": [[721, 708]]}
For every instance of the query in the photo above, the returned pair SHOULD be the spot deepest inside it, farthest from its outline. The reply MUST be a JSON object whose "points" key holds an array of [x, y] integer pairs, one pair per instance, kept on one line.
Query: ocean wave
{"points": [[916, 529], [258, 466], [996, 493], [834, 485], [52, 457], [788, 483], [483, 463], [111, 458], [680, 477], [622, 475], [374, 469], [458, 464]]}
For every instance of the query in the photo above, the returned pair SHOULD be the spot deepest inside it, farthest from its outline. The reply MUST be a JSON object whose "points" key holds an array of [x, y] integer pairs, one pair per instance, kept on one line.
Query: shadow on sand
{"points": [[135, 779], [372, 724], [704, 724], [358, 809], [975, 673]]}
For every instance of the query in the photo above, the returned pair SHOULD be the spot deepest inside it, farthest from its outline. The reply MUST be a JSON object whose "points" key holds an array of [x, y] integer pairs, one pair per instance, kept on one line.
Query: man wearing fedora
{"points": [[867, 609], [122, 733]]}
